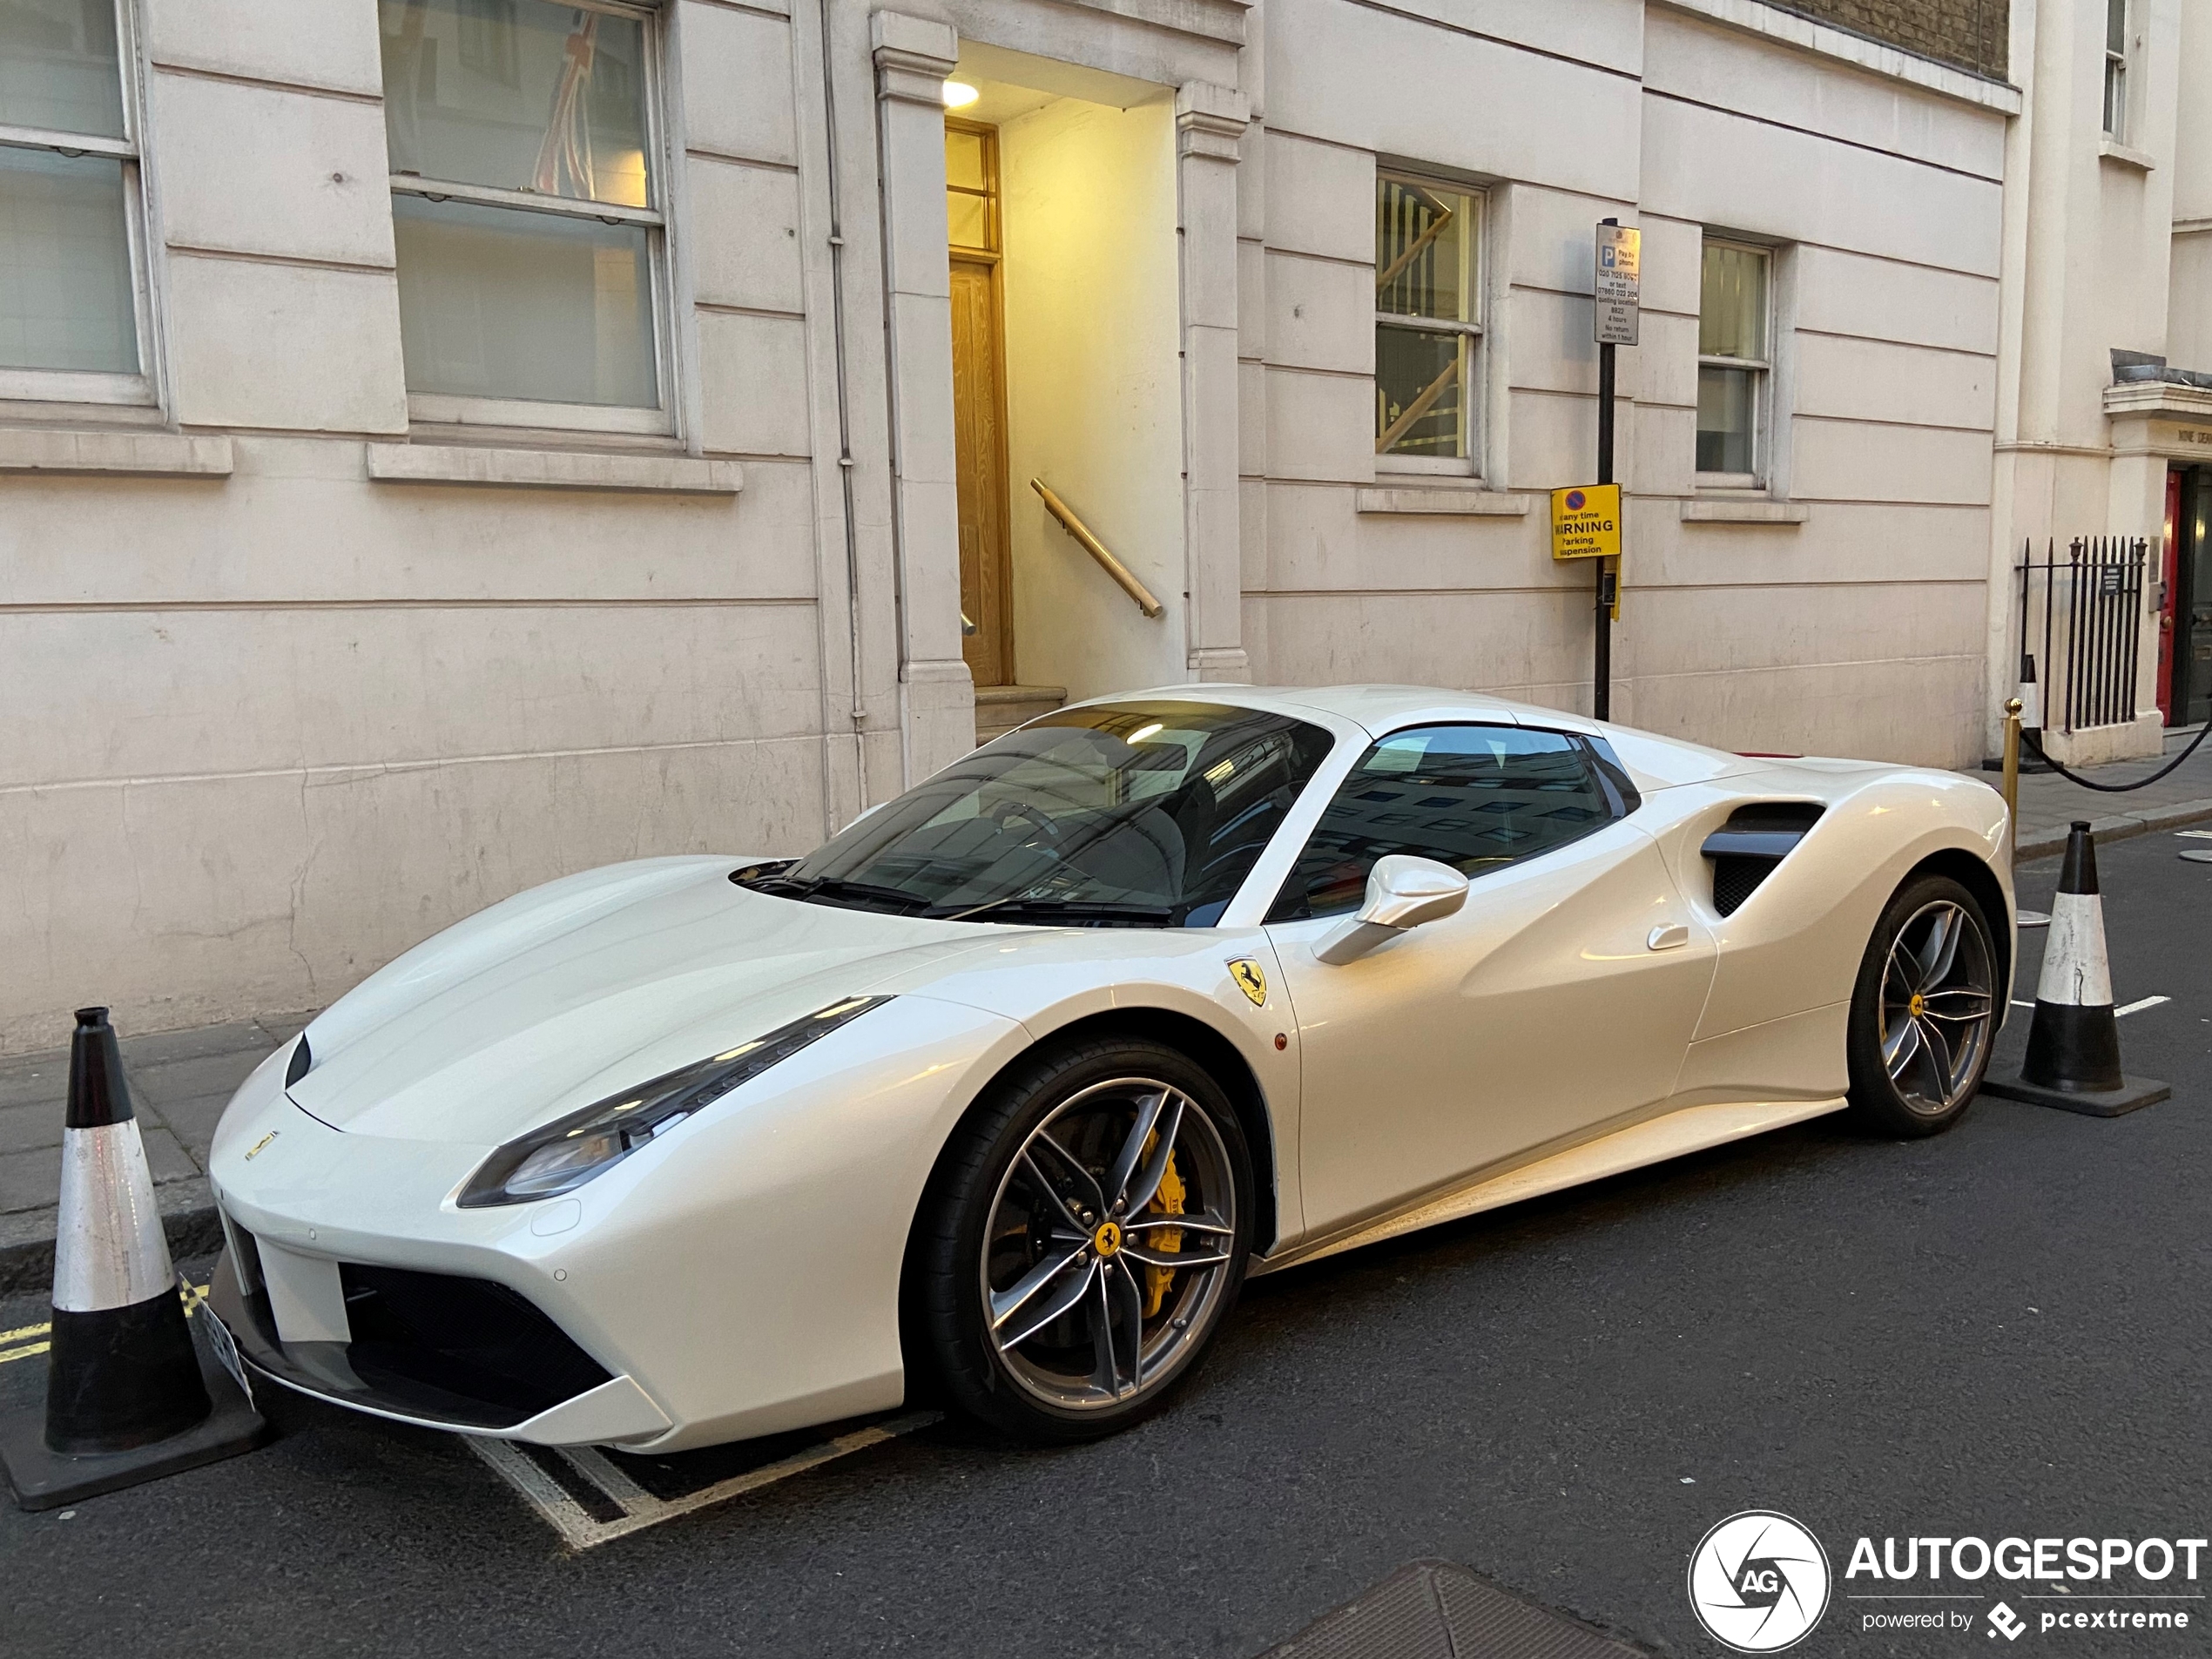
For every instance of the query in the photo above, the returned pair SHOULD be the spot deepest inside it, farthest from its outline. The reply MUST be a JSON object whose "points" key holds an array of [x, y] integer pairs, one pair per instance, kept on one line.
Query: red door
{"points": [[2170, 588]]}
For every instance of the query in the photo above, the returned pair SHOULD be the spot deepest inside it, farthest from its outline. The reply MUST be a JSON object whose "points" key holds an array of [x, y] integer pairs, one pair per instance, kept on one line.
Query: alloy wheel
{"points": [[1939, 1003], [1109, 1245]]}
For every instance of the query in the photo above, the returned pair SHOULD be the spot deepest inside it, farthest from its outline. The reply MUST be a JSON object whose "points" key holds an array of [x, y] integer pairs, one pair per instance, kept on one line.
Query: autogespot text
{"points": [[2125, 1570]]}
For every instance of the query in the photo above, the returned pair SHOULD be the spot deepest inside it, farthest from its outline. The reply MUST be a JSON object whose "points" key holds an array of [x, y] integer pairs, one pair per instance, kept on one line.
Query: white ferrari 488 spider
{"points": [[1001, 1092]]}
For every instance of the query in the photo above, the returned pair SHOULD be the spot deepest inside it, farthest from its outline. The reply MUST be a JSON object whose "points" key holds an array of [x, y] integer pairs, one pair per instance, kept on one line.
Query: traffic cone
{"points": [[2074, 1046], [130, 1395]]}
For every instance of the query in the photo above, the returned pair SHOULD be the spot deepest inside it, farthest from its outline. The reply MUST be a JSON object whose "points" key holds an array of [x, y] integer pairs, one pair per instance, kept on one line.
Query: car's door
{"points": [[1563, 994]]}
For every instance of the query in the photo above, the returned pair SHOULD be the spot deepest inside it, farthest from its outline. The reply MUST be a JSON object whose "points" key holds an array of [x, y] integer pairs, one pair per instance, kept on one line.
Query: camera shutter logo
{"points": [[1758, 1581]]}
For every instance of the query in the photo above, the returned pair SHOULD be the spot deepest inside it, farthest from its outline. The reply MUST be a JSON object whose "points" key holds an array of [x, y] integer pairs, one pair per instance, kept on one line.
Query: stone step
{"points": [[999, 709]]}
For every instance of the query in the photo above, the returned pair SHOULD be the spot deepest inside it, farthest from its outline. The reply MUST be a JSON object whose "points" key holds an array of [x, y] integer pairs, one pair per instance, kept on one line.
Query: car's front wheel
{"points": [[1924, 1014], [1082, 1239]]}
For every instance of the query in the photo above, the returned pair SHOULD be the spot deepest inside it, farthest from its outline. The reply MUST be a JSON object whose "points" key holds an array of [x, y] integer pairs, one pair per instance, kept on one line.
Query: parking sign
{"points": [[1620, 264]]}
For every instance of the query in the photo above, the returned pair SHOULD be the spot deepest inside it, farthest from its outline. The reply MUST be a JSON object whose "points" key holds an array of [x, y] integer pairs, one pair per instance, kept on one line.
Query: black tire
{"points": [[1900, 1084], [992, 1176]]}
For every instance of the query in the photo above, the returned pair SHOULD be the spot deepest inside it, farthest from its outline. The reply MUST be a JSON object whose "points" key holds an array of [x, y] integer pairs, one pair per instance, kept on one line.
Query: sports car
{"points": [[998, 1095]]}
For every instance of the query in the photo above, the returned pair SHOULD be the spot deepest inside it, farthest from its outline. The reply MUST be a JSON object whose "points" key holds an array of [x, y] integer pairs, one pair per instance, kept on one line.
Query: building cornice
{"points": [[2137, 399], [1823, 40], [1218, 20], [913, 56]]}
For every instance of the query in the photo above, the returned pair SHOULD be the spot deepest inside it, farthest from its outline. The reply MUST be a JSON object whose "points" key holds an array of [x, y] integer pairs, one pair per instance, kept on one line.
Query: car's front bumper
{"points": [[737, 1277], [455, 1353]]}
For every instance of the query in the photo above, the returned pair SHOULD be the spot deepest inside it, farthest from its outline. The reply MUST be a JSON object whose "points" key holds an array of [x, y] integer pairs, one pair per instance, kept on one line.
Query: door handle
{"points": [[1673, 936]]}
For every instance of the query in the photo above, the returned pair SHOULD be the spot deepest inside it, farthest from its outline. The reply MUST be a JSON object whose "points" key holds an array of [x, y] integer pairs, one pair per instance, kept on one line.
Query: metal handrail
{"points": [[1097, 549]]}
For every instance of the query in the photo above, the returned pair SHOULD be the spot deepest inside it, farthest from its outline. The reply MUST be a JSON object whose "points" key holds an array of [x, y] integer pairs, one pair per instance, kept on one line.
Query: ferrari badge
{"points": [[1251, 979]]}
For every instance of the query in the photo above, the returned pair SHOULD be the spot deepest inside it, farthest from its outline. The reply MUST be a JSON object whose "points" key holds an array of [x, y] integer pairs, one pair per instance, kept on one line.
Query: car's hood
{"points": [[570, 992]]}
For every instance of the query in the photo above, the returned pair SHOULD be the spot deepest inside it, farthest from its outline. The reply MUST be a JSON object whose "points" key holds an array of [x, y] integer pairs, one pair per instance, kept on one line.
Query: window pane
{"points": [[964, 162], [1424, 247], [64, 264], [968, 220], [57, 67], [1727, 407], [1732, 312], [1420, 381], [1474, 796], [518, 95], [2116, 26], [503, 302], [2115, 96]]}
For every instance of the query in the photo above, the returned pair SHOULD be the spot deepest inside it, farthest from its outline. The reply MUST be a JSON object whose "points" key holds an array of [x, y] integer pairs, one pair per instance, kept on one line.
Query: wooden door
{"points": [[979, 402]]}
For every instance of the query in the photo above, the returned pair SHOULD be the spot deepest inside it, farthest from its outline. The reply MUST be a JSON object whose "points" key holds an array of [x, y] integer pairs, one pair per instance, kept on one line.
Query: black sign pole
{"points": [[1602, 673]]}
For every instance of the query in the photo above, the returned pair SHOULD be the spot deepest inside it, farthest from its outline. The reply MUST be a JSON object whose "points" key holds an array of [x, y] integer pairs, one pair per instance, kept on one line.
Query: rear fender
{"points": [[1796, 944]]}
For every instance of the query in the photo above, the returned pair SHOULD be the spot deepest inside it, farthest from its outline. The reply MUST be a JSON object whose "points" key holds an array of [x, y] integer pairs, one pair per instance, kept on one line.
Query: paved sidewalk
{"points": [[180, 1080], [2049, 803]]}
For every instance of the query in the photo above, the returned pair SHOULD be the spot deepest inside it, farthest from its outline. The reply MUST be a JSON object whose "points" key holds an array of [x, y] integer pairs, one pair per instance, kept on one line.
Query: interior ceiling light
{"points": [[959, 95]]}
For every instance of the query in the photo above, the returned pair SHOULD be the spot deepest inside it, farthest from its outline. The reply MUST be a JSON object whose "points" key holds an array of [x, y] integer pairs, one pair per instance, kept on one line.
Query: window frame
{"points": [[451, 408], [104, 387], [1761, 369], [1475, 331], [1610, 779], [2116, 66]]}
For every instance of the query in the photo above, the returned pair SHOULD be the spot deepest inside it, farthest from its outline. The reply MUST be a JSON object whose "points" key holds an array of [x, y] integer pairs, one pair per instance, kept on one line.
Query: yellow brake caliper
{"points": [[1169, 1240]]}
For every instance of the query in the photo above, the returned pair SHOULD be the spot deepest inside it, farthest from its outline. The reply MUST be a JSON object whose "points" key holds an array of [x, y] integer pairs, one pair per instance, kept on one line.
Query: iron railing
{"points": [[2082, 655]]}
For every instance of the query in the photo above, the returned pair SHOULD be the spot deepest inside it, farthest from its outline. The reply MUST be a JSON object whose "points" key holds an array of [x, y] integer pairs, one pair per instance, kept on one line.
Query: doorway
{"points": [[2187, 635], [979, 401]]}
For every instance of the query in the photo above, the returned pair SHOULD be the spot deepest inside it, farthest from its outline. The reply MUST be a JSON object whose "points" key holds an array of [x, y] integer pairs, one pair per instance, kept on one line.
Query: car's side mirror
{"points": [[1403, 892]]}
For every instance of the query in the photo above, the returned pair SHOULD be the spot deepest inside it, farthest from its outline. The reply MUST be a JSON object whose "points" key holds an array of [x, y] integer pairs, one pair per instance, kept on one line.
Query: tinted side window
{"points": [[1474, 796]]}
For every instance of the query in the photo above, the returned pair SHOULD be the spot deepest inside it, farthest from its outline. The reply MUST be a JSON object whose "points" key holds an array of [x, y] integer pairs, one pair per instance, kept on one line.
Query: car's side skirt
{"points": [[1655, 1139]]}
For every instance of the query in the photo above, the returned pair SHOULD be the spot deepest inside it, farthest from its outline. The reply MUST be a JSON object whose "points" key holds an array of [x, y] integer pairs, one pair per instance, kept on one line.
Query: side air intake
{"points": [[1744, 850]]}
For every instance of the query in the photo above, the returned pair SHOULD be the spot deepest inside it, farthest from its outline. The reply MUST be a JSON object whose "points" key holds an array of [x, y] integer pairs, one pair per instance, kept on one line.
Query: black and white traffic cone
{"points": [[130, 1395], [2074, 1046]]}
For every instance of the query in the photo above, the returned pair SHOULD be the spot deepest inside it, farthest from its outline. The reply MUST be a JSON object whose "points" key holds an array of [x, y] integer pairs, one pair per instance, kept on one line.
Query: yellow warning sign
{"points": [[1586, 521]]}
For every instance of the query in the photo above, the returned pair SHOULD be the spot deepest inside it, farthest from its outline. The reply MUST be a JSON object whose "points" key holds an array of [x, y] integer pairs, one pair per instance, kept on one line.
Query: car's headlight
{"points": [[570, 1150]]}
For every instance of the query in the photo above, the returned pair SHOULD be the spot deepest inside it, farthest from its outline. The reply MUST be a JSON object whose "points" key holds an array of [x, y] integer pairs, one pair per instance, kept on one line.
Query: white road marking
{"points": [[639, 1507], [2198, 835], [2137, 1007]]}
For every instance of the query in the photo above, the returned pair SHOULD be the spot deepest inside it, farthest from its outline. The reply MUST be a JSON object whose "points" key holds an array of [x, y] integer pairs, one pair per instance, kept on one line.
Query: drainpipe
{"points": [[844, 414]]}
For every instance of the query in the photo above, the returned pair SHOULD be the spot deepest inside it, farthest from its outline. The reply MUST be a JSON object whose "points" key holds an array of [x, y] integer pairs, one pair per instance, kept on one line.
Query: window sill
{"points": [[1445, 502], [1722, 511], [145, 454], [2110, 149], [456, 463]]}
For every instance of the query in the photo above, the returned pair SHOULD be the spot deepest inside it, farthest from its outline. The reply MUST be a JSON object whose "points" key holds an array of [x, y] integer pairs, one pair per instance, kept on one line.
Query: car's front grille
{"points": [[468, 1337]]}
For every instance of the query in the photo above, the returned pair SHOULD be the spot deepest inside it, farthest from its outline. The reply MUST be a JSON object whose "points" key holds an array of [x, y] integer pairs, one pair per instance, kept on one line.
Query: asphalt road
{"points": [[2002, 1330]]}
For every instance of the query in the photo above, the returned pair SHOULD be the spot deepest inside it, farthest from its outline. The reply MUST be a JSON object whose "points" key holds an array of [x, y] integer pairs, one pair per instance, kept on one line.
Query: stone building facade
{"points": [[448, 443]]}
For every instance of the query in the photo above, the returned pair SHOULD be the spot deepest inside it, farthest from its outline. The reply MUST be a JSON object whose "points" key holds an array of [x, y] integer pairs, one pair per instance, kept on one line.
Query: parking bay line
{"points": [[559, 1508], [635, 1507], [2132, 1008]]}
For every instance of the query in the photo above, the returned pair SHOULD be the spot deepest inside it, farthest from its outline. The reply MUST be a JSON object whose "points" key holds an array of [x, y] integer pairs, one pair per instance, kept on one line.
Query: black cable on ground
{"points": [[2029, 738]]}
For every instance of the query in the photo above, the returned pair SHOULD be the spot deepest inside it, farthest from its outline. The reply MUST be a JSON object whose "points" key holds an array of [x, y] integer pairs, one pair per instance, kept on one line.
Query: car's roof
{"points": [[1377, 708], [1654, 761]]}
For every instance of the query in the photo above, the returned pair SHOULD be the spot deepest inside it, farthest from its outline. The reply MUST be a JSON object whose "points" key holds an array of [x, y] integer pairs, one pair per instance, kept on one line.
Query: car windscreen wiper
{"points": [[1074, 912], [859, 895]]}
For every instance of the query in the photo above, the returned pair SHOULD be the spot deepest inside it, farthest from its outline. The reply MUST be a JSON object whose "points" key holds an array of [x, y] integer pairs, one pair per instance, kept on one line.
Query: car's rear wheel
{"points": [[1923, 1013], [1082, 1239]]}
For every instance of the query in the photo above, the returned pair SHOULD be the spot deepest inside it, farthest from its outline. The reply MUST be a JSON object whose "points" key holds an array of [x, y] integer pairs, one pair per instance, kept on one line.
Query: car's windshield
{"points": [[1136, 814]]}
